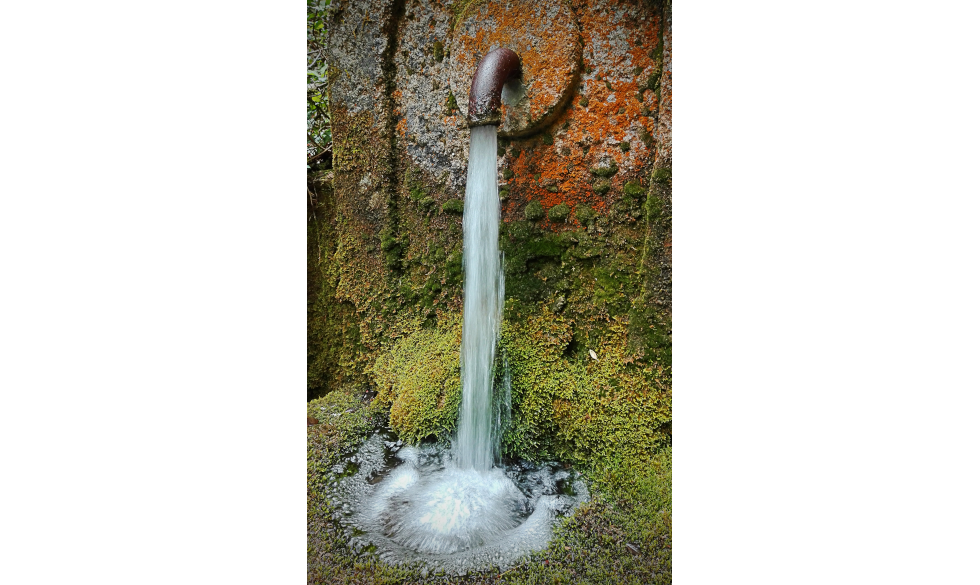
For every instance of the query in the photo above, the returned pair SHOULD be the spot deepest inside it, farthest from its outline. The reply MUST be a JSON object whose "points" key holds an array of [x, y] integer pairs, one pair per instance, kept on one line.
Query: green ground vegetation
{"points": [[419, 380]]}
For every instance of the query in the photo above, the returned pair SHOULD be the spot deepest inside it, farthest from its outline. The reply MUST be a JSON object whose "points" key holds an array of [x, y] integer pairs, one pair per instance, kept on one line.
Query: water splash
{"points": [[415, 506]]}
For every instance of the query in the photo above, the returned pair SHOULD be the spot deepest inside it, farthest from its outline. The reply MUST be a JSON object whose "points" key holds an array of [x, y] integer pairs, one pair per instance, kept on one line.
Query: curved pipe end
{"points": [[495, 69]]}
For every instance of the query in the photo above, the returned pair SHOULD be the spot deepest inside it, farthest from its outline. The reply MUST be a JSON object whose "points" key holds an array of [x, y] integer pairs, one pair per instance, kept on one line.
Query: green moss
{"points": [[547, 139], [601, 187], [624, 146], [451, 106], [453, 206], [559, 212], [508, 174], [653, 207], [437, 51], [633, 190], [418, 377], [653, 82], [584, 102], [551, 188], [454, 269], [533, 211], [661, 176], [519, 230], [584, 214], [413, 184], [568, 405], [503, 192], [607, 171]]}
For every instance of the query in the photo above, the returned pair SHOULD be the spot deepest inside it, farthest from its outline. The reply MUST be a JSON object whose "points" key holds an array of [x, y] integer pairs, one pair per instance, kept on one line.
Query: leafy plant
{"points": [[318, 135]]}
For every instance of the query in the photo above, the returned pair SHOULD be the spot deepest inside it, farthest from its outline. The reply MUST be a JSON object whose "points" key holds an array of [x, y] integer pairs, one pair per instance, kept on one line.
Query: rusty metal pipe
{"points": [[495, 69]]}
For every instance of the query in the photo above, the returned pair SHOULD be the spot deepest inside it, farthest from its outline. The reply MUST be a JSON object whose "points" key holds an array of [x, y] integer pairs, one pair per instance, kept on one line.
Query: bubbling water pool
{"points": [[415, 505]]}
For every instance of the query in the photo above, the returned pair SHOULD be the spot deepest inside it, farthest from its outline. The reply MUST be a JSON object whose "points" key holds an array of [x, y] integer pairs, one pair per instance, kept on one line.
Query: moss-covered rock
{"points": [[534, 211], [606, 171], [570, 405], [559, 212], [453, 206], [418, 377], [584, 214], [633, 190]]}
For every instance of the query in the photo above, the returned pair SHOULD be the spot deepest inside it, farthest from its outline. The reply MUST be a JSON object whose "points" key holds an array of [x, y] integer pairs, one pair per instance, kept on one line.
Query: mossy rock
{"points": [[633, 190], [453, 206], [661, 176], [584, 214], [533, 211], [559, 213], [606, 172], [419, 378]]}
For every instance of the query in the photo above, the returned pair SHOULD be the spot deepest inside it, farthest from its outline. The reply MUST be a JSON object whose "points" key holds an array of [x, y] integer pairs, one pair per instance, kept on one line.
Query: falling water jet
{"points": [[482, 301]]}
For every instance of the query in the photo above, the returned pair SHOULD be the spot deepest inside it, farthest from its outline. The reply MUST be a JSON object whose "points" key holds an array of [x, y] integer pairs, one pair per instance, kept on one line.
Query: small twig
{"points": [[514, 567], [313, 158]]}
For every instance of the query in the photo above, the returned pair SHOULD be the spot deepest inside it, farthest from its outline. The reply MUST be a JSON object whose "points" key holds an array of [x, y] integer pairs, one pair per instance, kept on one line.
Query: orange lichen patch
{"points": [[402, 127], [619, 60]]}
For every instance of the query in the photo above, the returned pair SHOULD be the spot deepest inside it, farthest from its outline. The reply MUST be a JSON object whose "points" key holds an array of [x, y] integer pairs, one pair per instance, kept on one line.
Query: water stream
{"points": [[451, 509], [483, 296]]}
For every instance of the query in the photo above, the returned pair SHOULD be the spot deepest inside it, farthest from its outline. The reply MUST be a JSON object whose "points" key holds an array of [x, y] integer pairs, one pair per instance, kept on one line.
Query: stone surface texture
{"points": [[386, 239]]}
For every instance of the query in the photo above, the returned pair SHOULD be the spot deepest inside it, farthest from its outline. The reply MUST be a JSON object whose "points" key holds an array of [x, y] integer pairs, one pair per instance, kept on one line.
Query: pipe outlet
{"points": [[495, 69]]}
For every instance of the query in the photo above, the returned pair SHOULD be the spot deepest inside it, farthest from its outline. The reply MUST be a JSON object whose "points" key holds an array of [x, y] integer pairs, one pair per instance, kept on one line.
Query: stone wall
{"points": [[586, 207]]}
